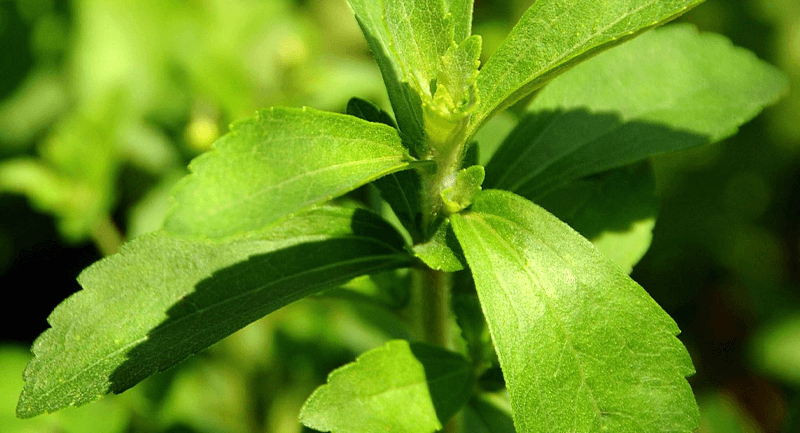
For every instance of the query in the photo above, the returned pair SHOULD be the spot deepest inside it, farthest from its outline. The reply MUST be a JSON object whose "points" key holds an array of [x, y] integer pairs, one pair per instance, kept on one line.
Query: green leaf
{"points": [[74, 178], [488, 414], [615, 210], [405, 101], [399, 388], [452, 98], [616, 109], [461, 12], [388, 290], [277, 164], [775, 350], [421, 38], [431, 79], [468, 183], [554, 35], [441, 252], [164, 298], [474, 331], [109, 416], [401, 191], [582, 346]]}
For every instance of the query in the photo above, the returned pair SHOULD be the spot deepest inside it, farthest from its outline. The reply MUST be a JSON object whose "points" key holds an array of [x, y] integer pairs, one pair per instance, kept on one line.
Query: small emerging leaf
{"points": [[164, 298], [468, 183], [449, 104], [429, 70], [397, 388], [582, 346], [277, 164]]}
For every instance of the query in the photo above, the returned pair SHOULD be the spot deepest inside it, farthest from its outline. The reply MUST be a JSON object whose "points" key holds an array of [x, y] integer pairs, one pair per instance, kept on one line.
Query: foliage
{"points": [[265, 218]]}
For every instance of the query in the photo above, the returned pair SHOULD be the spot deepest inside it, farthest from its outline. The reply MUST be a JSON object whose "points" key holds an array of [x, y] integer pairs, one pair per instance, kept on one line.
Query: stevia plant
{"points": [[518, 264]]}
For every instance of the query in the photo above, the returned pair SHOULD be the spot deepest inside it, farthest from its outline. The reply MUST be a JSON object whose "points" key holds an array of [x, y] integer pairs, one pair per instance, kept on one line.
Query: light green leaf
{"points": [[421, 38], [582, 346], [461, 12], [722, 412], [277, 164], [405, 101], [397, 388], [34, 105], [164, 298], [615, 210], [554, 35], [617, 109]]}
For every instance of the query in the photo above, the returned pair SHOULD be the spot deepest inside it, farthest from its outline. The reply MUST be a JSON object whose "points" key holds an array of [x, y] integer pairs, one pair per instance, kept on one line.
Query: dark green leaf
{"points": [[582, 346], [368, 111], [486, 414], [472, 323], [554, 35], [615, 210], [164, 298], [277, 164], [617, 109], [388, 290], [401, 189], [398, 388]]}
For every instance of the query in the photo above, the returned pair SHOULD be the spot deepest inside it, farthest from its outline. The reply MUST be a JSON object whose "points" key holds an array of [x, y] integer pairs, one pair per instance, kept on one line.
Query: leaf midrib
{"points": [[218, 210]]}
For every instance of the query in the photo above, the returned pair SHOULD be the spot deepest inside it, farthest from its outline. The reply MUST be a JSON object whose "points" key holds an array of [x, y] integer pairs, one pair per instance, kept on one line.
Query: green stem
{"points": [[106, 236], [436, 308], [431, 315]]}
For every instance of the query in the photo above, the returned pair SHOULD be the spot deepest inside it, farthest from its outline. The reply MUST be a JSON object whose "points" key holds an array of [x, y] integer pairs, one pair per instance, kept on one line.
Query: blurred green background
{"points": [[104, 102]]}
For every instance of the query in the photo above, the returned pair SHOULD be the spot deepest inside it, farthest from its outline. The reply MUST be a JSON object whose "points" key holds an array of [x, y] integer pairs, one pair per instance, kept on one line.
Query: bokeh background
{"points": [[104, 102]]}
